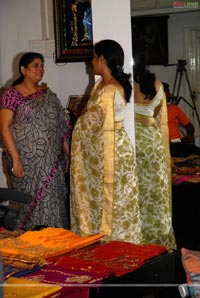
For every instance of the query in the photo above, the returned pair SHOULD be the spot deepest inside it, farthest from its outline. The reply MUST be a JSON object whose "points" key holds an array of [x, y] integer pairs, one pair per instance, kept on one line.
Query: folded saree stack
{"points": [[33, 248], [60, 262], [92, 264]]}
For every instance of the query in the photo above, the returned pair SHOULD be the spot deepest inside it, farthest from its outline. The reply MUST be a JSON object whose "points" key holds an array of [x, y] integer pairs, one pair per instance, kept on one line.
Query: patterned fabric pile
{"points": [[32, 248], [186, 169], [191, 264], [56, 260]]}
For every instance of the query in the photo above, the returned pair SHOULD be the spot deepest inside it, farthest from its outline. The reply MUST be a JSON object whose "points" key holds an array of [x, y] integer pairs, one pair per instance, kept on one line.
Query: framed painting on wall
{"points": [[73, 30], [150, 38], [77, 103]]}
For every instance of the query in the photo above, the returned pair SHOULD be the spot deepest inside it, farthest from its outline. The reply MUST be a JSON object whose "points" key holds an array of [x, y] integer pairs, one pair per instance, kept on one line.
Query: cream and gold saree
{"points": [[103, 179]]}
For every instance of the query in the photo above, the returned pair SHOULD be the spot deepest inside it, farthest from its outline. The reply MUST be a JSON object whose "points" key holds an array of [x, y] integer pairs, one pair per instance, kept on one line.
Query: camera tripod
{"points": [[175, 98]]}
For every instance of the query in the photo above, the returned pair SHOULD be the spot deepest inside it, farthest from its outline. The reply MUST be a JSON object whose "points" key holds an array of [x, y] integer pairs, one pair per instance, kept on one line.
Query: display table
{"points": [[160, 277], [107, 269], [186, 214]]}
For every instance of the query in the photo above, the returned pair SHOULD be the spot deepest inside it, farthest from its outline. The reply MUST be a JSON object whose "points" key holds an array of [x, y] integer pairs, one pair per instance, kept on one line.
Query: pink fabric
{"points": [[178, 179]]}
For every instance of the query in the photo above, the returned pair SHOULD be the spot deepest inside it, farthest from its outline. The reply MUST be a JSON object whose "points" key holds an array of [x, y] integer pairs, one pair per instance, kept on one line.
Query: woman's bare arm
{"points": [[6, 118]]}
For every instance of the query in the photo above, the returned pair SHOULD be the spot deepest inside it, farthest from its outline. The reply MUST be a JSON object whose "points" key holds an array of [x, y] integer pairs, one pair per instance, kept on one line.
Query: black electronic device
{"points": [[9, 214]]}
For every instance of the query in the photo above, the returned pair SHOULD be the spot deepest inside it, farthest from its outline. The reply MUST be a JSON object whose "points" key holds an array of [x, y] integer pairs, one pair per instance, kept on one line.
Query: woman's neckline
{"points": [[26, 91]]}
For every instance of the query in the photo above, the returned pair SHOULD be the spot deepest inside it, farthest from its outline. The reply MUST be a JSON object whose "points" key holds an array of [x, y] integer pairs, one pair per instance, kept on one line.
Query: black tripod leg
{"points": [[174, 87], [175, 97]]}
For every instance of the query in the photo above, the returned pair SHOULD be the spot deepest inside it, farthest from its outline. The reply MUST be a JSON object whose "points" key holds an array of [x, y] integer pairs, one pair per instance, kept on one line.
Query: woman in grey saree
{"points": [[40, 130]]}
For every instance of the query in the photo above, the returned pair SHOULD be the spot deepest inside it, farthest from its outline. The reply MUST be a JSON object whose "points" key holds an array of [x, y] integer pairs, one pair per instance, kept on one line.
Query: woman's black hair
{"points": [[25, 60], [114, 56], [144, 77]]}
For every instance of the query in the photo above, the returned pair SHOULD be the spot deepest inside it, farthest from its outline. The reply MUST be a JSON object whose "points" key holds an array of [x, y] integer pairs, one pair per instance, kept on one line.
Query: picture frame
{"points": [[73, 30], [76, 103], [150, 38]]}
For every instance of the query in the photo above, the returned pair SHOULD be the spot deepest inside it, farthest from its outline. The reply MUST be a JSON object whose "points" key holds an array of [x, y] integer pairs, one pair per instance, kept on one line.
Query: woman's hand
{"points": [[6, 119], [18, 170]]}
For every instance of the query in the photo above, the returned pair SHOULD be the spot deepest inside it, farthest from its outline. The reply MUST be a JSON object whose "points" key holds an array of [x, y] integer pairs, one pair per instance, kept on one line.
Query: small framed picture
{"points": [[73, 30], [150, 38], [77, 103]]}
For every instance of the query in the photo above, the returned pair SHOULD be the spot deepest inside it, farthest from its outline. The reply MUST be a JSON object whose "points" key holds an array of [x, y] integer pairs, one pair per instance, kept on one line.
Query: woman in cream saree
{"points": [[103, 181]]}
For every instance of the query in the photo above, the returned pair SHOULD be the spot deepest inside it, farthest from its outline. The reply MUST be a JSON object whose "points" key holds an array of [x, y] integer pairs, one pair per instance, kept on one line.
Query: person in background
{"points": [[180, 145], [36, 133], [151, 156], [103, 179]]}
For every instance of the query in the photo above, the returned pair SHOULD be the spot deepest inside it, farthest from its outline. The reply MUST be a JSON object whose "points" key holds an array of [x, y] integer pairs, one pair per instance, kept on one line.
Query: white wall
{"points": [[176, 43], [112, 19], [177, 23], [16, 23], [20, 21]]}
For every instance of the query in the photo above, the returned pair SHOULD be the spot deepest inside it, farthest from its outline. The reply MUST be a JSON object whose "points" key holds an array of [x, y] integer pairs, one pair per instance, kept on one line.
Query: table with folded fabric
{"points": [[186, 200], [159, 276], [63, 264]]}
